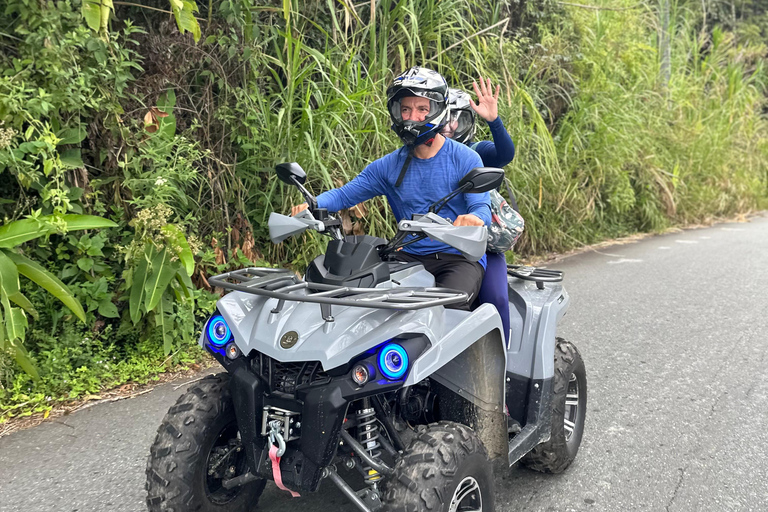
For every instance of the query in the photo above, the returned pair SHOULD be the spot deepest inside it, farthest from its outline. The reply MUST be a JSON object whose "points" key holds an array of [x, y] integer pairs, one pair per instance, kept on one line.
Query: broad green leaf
{"points": [[108, 309], [72, 135], [166, 102], [162, 273], [20, 231], [163, 323], [96, 13], [10, 276], [185, 17], [185, 283], [2, 331], [176, 293], [85, 264], [15, 322], [75, 193], [68, 272], [20, 300], [71, 159], [128, 278], [180, 242], [139, 280], [76, 222], [92, 13], [22, 358], [48, 281]]}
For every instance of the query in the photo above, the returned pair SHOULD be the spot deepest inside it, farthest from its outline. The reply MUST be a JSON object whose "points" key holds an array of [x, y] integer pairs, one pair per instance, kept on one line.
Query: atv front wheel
{"points": [[445, 469], [569, 409], [196, 448]]}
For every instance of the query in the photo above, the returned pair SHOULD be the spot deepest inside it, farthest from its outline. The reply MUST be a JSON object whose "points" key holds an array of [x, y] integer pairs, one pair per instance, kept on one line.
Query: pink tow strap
{"points": [[276, 474]]}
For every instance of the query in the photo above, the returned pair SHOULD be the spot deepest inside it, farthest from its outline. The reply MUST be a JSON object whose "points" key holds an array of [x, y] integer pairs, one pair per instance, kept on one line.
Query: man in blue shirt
{"points": [[427, 168]]}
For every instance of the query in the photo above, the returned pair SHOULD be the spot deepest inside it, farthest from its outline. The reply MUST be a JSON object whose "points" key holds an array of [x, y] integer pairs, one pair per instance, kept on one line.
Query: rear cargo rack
{"points": [[284, 285], [540, 275]]}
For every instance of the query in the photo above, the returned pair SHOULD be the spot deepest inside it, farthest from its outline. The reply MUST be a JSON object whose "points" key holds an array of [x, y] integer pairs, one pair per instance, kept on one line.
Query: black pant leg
{"points": [[451, 271], [458, 273]]}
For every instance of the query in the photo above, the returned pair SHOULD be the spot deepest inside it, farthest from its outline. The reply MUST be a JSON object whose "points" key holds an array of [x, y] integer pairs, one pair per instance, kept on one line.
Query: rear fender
{"points": [[534, 316]]}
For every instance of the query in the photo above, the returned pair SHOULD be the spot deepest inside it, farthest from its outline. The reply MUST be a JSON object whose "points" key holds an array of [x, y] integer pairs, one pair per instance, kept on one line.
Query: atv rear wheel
{"points": [[569, 409], [445, 469], [196, 448]]}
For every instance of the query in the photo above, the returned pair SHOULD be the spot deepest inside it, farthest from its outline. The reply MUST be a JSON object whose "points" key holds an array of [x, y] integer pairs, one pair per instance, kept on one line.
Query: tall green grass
{"points": [[603, 148]]}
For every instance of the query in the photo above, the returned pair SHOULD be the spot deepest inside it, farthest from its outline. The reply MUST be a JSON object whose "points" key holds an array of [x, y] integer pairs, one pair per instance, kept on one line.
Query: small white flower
{"points": [[160, 181]]}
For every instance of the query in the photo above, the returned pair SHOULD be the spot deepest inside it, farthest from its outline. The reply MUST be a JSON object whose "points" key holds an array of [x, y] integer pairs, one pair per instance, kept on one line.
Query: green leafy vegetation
{"points": [[167, 129]]}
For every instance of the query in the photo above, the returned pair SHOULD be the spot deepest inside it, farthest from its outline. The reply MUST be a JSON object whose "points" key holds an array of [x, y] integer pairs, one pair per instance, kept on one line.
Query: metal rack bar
{"points": [[256, 280]]}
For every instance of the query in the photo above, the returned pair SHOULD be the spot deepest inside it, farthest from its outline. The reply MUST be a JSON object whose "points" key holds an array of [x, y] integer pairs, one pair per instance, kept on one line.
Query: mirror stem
{"points": [[311, 201], [438, 205]]}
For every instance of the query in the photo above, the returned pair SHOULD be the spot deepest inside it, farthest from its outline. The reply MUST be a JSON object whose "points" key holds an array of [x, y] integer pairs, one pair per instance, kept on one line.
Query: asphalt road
{"points": [[674, 333]]}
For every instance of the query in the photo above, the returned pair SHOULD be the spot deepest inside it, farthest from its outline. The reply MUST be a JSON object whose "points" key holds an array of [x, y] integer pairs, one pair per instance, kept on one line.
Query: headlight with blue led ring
{"points": [[218, 331], [393, 361]]}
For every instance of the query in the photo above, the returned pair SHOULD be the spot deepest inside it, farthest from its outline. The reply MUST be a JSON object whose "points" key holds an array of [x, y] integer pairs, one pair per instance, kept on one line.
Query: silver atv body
{"points": [[360, 356]]}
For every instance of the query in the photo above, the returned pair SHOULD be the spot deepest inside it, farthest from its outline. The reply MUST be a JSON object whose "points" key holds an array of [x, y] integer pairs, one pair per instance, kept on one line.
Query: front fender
{"points": [[470, 361], [482, 325]]}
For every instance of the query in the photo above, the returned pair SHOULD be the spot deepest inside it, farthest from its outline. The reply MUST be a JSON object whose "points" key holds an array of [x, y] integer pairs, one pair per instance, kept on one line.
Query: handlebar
{"points": [[468, 240]]}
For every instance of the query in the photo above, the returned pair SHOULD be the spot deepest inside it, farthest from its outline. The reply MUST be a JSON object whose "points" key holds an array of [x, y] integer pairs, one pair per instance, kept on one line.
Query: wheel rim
{"points": [[571, 407], [467, 497], [225, 460]]}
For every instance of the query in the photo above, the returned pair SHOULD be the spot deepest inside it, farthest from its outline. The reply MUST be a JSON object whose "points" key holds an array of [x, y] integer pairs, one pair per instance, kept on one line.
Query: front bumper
{"points": [[322, 407]]}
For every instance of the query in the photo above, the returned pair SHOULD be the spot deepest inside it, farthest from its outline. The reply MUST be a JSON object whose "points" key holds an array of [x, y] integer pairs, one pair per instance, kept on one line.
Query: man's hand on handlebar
{"points": [[299, 208], [468, 220]]}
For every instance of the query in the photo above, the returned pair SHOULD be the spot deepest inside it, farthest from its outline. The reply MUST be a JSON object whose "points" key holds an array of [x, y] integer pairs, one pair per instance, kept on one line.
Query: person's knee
{"points": [[467, 277]]}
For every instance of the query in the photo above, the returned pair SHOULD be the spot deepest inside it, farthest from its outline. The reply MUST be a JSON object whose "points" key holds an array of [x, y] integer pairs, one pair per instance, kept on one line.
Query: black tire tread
{"points": [[178, 446], [423, 477], [553, 456]]}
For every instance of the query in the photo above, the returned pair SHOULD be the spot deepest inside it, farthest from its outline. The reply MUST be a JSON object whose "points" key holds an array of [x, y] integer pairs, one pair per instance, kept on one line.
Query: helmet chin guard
{"points": [[421, 83]]}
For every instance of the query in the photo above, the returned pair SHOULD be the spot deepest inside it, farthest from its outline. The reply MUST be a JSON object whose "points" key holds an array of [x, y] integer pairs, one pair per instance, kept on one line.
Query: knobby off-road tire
{"points": [[444, 463], [194, 435], [569, 403]]}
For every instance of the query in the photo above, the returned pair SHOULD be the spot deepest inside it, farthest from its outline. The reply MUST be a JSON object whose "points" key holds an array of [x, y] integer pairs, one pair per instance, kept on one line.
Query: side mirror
{"points": [[288, 172], [481, 179], [292, 174]]}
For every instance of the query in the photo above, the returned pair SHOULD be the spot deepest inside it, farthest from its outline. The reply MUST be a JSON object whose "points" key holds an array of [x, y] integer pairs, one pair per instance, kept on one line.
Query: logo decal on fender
{"points": [[289, 339]]}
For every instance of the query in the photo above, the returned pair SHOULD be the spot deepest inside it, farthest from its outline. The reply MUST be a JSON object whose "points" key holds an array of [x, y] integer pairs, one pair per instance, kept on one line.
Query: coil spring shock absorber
{"points": [[368, 436]]}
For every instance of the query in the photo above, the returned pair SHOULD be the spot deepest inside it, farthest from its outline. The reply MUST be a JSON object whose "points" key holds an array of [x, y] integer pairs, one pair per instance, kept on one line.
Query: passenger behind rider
{"points": [[461, 127], [427, 168]]}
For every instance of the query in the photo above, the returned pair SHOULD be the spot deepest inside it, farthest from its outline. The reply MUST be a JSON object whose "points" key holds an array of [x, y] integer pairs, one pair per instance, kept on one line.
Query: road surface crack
{"points": [[677, 487]]}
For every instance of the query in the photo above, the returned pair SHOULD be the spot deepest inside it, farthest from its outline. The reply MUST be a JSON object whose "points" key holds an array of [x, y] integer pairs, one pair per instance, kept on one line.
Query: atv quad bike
{"points": [[359, 366]]}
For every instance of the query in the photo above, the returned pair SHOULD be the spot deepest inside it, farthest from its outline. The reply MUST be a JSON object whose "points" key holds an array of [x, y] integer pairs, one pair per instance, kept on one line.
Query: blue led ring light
{"points": [[393, 361], [218, 331]]}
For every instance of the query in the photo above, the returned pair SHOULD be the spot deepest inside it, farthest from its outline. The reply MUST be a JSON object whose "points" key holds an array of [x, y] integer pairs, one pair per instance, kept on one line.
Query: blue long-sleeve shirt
{"points": [[499, 152], [426, 181]]}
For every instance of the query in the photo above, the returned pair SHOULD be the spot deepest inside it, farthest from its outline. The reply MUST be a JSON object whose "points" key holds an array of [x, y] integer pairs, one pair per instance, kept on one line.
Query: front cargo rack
{"points": [[284, 285]]}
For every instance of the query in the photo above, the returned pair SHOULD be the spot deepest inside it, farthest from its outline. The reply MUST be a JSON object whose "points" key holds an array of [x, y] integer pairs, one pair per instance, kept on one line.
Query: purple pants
{"points": [[493, 290]]}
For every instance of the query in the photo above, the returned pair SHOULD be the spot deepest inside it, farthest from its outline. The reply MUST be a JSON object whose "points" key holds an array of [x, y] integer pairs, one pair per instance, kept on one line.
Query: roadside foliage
{"points": [[137, 142]]}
